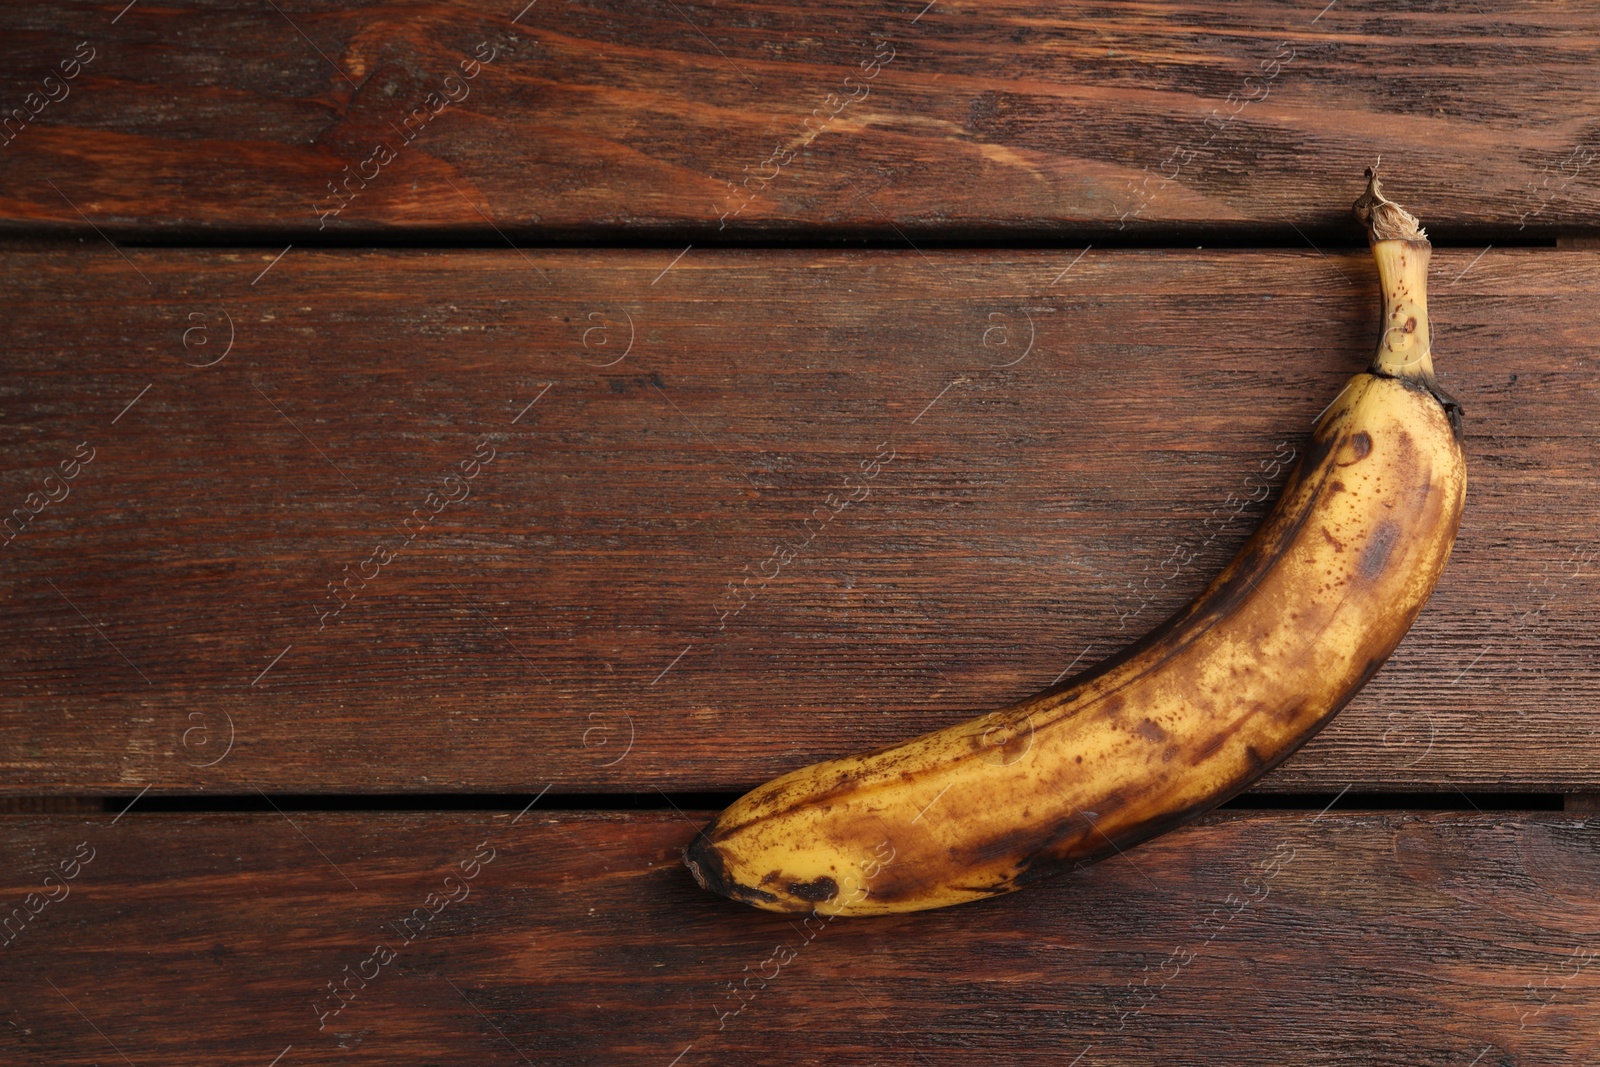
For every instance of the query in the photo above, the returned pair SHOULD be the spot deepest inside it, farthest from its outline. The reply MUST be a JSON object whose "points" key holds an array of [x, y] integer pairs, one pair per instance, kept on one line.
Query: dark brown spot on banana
{"points": [[820, 890], [1152, 731], [1378, 548]]}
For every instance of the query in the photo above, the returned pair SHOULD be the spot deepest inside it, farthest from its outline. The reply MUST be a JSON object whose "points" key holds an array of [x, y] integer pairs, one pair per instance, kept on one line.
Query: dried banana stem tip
{"points": [[1384, 219]]}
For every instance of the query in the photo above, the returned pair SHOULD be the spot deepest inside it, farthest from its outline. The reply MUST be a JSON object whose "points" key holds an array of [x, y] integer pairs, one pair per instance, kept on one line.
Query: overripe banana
{"points": [[1176, 723]]}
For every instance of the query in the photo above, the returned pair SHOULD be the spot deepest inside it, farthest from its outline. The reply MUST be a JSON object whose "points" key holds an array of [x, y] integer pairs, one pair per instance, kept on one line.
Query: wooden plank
{"points": [[947, 118], [1010, 511], [1380, 939]]}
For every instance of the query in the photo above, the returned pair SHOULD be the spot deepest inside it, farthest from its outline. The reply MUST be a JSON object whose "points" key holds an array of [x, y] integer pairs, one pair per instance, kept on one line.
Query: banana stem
{"points": [[1402, 250]]}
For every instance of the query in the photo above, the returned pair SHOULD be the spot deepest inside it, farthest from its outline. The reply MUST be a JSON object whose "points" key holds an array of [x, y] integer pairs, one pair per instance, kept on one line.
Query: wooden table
{"points": [[396, 398]]}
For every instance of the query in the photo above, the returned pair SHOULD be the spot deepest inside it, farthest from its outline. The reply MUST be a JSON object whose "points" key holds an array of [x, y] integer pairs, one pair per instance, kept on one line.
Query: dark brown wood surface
{"points": [[1283, 938], [1062, 450], [927, 118], [311, 516]]}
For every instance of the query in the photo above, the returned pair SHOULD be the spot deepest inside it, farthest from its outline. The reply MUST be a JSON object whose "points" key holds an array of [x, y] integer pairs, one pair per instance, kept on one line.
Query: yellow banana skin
{"points": [[1178, 722]]}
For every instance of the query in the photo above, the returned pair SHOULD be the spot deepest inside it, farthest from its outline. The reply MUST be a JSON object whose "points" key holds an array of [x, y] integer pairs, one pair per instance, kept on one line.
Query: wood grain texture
{"points": [[1035, 506], [1371, 939], [988, 118]]}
